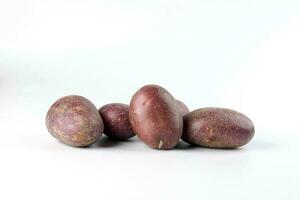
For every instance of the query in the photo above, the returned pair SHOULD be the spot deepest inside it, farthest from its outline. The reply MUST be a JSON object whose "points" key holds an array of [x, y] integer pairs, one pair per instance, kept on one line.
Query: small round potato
{"points": [[115, 117], [75, 121], [155, 118], [183, 109], [217, 128]]}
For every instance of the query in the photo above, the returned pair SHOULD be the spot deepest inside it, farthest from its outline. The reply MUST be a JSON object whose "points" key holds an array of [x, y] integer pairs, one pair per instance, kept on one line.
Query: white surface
{"points": [[238, 54]]}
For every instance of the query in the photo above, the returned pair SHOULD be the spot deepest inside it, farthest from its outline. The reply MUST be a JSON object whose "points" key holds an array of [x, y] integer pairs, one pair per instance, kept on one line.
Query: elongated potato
{"points": [[75, 121], [217, 128], [115, 117], [155, 118]]}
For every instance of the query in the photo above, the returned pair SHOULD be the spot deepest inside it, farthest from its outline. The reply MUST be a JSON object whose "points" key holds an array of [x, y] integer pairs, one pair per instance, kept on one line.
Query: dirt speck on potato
{"points": [[75, 121]]}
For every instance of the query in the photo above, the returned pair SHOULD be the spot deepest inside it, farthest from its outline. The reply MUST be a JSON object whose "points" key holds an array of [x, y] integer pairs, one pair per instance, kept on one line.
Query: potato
{"points": [[75, 121], [155, 118], [183, 109], [217, 128], [115, 117]]}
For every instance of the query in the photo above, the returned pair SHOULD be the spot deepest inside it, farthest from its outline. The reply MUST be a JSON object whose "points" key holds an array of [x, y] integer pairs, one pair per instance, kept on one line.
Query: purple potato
{"points": [[183, 109], [155, 118], [217, 128], [116, 121], [75, 121]]}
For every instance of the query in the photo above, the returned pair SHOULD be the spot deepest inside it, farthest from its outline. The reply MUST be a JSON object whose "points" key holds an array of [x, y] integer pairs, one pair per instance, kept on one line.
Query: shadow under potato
{"points": [[254, 145], [107, 142], [261, 145], [181, 145], [110, 142]]}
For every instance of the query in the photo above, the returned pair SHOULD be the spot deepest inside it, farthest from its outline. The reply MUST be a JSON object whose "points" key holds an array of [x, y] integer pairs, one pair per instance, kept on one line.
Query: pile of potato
{"points": [[158, 119]]}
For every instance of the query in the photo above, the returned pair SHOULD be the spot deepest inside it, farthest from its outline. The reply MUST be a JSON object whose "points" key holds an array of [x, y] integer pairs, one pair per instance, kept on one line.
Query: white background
{"points": [[243, 55]]}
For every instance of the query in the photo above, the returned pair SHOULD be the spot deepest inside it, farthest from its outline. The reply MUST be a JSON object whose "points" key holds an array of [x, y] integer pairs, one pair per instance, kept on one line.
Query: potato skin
{"points": [[75, 121], [217, 128], [155, 118], [183, 109], [115, 117]]}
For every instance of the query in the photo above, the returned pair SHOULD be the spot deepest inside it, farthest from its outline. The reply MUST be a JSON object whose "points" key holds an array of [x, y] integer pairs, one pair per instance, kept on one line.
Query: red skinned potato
{"points": [[155, 118], [75, 121], [217, 128], [115, 117], [183, 109]]}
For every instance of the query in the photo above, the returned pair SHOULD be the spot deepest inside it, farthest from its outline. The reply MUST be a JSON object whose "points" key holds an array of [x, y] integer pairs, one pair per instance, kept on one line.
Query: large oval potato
{"points": [[217, 128], [115, 117], [155, 117], [75, 121]]}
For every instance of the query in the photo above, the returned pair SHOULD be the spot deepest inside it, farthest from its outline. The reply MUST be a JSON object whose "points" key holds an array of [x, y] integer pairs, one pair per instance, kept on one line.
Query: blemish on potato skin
{"points": [[217, 128], [160, 144]]}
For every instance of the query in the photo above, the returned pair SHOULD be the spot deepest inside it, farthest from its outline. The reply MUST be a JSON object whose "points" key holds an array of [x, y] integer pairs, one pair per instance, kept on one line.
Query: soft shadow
{"points": [[181, 145], [260, 145], [256, 145], [107, 142], [222, 149]]}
